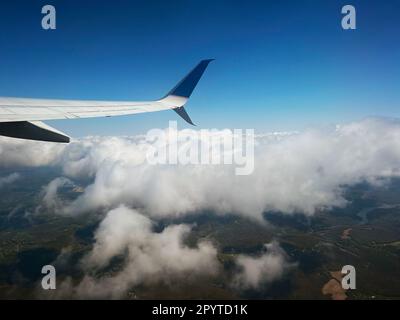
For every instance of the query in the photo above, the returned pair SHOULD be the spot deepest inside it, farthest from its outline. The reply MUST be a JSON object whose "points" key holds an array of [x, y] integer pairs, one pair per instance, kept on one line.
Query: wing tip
{"points": [[186, 86]]}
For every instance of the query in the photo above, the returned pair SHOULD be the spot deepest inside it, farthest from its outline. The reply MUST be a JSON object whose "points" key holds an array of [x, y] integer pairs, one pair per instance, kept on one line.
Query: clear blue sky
{"points": [[280, 65]]}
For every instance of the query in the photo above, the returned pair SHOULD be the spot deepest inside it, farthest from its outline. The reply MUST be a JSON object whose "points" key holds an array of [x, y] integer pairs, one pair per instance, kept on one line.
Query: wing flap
{"points": [[32, 130]]}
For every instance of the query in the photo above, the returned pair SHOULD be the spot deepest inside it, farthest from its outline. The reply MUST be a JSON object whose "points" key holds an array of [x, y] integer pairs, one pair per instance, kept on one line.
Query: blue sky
{"points": [[280, 65]]}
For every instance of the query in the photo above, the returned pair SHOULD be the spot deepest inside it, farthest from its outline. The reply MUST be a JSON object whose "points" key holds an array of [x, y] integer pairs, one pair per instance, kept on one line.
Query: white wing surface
{"points": [[20, 117]]}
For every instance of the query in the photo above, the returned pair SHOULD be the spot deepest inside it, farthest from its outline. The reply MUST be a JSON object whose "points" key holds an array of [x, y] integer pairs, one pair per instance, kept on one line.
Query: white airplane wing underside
{"points": [[20, 117]]}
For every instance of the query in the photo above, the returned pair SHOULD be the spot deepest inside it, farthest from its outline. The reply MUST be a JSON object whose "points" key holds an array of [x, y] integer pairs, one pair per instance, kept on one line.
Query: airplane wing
{"points": [[21, 118]]}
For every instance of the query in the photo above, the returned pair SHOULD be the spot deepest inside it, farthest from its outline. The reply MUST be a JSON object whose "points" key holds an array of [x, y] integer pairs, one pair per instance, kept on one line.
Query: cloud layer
{"points": [[149, 257], [50, 199], [9, 179], [266, 268], [300, 172]]}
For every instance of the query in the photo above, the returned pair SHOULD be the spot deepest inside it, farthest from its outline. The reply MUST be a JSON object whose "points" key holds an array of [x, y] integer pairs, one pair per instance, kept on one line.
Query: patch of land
{"points": [[319, 244], [334, 287]]}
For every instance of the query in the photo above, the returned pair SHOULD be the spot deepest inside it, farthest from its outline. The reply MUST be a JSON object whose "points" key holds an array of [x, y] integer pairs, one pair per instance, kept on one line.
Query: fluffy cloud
{"points": [[296, 172], [50, 198], [300, 172], [149, 256], [16, 152], [266, 268], [9, 179]]}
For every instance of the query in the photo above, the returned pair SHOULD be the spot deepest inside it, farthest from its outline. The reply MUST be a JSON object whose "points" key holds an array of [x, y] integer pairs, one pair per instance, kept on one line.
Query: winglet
{"points": [[180, 94], [186, 86], [182, 112]]}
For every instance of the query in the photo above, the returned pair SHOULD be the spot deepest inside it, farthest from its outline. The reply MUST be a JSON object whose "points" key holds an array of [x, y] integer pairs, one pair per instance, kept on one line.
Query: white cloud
{"points": [[9, 179], [294, 172], [150, 257], [19, 153], [266, 268], [299, 172], [50, 199]]}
